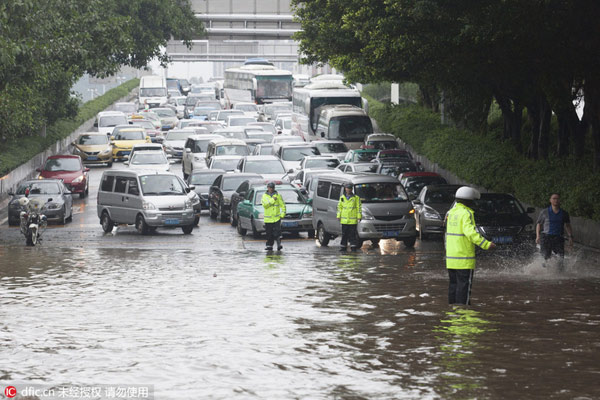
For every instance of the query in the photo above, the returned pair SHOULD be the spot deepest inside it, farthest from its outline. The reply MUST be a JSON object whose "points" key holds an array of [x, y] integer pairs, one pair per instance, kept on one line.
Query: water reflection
{"points": [[459, 345]]}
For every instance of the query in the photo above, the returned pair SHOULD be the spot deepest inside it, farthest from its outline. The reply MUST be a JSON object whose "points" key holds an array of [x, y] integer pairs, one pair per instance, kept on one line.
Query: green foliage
{"points": [[483, 161], [21, 149]]}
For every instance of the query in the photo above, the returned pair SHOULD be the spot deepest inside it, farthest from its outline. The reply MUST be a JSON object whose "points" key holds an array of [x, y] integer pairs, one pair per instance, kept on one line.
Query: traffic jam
{"points": [[181, 151]]}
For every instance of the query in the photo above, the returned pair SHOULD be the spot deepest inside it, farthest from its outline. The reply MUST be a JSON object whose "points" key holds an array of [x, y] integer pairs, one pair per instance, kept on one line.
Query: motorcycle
{"points": [[33, 222]]}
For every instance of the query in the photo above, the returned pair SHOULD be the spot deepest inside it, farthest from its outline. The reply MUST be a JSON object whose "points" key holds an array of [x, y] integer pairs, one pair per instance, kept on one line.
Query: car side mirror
{"points": [[112, 138], [188, 150], [192, 187], [95, 124], [125, 162], [411, 197], [188, 189], [68, 192], [172, 161], [530, 210], [416, 201], [291, 171], [246, 202], [49, 200], [242, 194]]}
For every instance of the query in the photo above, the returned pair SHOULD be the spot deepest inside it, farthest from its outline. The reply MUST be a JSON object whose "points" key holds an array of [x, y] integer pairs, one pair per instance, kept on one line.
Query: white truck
{"points": [[153, 91]]}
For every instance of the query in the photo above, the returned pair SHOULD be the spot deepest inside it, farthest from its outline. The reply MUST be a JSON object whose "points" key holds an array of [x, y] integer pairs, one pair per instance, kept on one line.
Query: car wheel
{"points": [[422, 235], [29, 238], [220, 216], [196, 221], [232, 219], [140, 225], [213, 214], [64, 215], [239, 228], [70, 214], [13, 222], [410, 242], [109, 164], [255, 233], [106, 222], [374, 242], [322, 236], [311, 233], [187, 229]]}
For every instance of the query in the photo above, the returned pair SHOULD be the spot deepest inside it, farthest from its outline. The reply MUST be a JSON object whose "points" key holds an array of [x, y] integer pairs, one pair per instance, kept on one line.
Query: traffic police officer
{"points": [[274, 211], [349, 212], [461, 238]]}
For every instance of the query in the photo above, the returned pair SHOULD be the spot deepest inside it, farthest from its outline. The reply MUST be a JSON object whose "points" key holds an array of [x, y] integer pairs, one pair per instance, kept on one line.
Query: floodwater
{"points": [[228, 321]]}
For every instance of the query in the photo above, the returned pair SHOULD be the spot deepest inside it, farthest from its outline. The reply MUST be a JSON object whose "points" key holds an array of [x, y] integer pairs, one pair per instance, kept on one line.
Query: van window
{"points": [[121, 184], [336, 190], [107, 183], [323, 189], [380, 192], [133, 188]]}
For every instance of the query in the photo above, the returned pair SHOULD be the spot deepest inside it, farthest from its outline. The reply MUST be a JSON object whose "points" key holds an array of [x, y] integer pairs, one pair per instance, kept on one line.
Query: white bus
{"points": [[309, 100], [257, 83]]}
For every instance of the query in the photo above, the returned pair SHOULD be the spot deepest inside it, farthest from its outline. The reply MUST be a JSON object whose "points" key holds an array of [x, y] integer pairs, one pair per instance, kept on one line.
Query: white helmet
{"points": [[23, 201], [467, 193]]}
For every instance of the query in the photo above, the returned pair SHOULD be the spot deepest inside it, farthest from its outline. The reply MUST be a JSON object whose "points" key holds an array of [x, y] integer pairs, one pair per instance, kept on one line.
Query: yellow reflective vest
{"points": [[274, 207], [461, 238], [349, 211]]}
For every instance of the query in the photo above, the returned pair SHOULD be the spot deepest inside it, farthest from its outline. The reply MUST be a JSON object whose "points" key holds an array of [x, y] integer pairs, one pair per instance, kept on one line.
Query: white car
{"points": [[149, 160], [239, 120], [194, 155], [269, 167], [284, 125], [107, 120]]}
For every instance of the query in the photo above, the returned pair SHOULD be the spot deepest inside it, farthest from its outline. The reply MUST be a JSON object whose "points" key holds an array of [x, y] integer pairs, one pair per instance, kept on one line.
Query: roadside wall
{"points": [[28, 170], [585, 231]]}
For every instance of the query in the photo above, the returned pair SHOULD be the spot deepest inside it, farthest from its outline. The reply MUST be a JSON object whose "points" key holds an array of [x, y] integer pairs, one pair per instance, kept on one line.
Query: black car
{"points": [[395, 168], [239, 195], [202, 180], [431, 205], [502, 219], [219, 194], [52, 195]]}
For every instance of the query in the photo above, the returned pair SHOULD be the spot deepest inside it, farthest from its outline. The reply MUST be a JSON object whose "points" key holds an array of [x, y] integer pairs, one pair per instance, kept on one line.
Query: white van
{"points": [[146, 199], [107, 120], [226, 147], [344, 122], [153, 91], [387, 212]]}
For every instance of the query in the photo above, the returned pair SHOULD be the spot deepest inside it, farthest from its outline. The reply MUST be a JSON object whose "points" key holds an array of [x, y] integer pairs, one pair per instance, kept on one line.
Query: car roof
{"points": [[394, 151], [321, 157], [132, 128], [152, 145], [380, 135], [208, 171], [111, 113], [54, 157], [226, 157], [224, 140], [200, 137], [145, 151], [92, 134], [359, 177], [278, 186], [440, 186], [261, 158]]}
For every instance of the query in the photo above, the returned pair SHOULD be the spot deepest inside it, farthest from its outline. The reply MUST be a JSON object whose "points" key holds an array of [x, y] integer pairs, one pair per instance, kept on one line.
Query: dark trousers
{"points": [[552, 243], [349, 233], [459, 291], [273, 232]]}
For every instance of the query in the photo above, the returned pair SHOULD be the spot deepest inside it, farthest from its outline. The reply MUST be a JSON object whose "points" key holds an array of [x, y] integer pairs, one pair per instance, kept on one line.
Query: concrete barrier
{"points": [[28, 170], [585, 231]]}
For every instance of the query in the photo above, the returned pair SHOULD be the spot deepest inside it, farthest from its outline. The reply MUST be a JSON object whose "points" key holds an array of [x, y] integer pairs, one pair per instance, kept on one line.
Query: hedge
{"points": [[486, 161], [18, 151]]}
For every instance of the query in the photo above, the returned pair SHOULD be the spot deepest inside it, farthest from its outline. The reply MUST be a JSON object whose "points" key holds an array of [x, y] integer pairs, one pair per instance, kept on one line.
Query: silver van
{"points": [[387, 212], [146, 199], [226, 147]]}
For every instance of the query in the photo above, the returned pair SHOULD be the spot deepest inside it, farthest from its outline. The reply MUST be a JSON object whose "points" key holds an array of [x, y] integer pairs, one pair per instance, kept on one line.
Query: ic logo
{"points": [[10, 391]]}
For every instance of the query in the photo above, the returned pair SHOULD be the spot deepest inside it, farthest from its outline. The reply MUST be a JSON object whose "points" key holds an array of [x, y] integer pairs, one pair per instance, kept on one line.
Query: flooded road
{"points": [[210, 315]]}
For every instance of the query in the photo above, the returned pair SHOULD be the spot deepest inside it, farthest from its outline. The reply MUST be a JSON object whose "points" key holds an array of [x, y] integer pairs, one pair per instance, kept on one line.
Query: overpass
{"points": [[240, 29]]}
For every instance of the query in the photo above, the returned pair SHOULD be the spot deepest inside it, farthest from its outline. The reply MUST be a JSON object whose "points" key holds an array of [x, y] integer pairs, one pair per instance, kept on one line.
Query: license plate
{"points": [[92, 158], [179, 153], [390, 233], [502, 239], [171, 221], [289, 224], [125, 153]]}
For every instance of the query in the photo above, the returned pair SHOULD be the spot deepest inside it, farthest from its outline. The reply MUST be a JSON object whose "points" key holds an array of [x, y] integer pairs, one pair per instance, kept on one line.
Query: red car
{"points": [[70, 169]]}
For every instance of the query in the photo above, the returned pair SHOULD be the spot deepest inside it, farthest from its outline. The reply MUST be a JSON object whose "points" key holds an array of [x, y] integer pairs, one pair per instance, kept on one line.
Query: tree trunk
{"points": [[512, 112], [545, 120], [534, 115], [562, 145], [591, 115]]}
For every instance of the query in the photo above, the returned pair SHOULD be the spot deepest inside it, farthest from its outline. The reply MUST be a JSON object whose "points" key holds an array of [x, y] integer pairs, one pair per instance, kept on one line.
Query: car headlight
{"points": [[261, 216], [106, 151], [307, 214], [52, 206], [146, 205], [79, 179], [366, 214], [188, 204], [431, 214], [40, 177]]}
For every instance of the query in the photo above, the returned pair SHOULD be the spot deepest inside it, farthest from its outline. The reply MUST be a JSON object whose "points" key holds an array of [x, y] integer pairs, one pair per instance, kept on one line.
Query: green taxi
{"points": [[298, 217]]}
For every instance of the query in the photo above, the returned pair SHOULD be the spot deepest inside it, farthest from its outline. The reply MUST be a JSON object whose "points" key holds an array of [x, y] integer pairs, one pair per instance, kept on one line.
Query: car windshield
{"points": [[200, 146], [322, 163], [297, 153], [178, 135], [265, 167], [440, 196], [90, 140], [180, 101], [232, 182], [63, 164], [232, 134], [285, 123], [128, 108], [224, 114], [149, 158], [201, 111], [39, 188], [380, 192], [204, 178], [232, 150], [350, 127], [268, 127], [144, 124], [265, 150], [414, 186], [394, 156], [246, 107], [289, 196], [112, 120], [383, 144], [153, 92], [162, 185], [130, 135], [164, 112], [364, 155], [331, 147], [364, 167], [267, 137], [238, 121], [228, 164], [397, 169], [494, 204]]}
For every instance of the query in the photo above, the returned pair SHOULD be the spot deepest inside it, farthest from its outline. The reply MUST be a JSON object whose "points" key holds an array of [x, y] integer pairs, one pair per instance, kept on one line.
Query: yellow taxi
{"points": [[93, 148], [124, 140]]}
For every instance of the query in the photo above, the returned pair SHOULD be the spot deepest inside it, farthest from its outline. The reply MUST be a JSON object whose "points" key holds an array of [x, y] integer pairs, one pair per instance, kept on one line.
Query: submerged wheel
{"points": [[322, 236], [141, 226], [239, 228], [255, 233], [410, 242], [187, 229], [106, 222], [28, 238]]}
